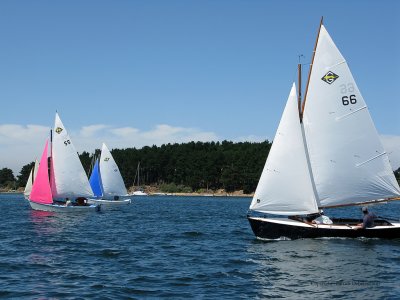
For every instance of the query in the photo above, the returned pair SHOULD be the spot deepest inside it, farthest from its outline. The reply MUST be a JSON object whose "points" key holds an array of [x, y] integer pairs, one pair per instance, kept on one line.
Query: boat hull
{"points": [[63, 208], [105, 202], [139, 193], [271, 228]]}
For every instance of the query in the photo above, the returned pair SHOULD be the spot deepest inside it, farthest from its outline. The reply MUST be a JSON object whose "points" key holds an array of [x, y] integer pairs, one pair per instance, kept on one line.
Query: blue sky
{"points": [[135, 73]]}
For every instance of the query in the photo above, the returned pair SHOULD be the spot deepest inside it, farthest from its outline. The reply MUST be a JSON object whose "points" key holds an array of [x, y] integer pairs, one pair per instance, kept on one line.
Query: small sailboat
{"points": [[106, 181], [326, 153], [31, 179], [63, 186], [138, 191]]}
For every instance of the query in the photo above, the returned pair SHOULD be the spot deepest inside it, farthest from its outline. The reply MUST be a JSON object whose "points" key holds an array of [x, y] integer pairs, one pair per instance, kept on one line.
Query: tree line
{"points": [[191, 166], [194, 165]]}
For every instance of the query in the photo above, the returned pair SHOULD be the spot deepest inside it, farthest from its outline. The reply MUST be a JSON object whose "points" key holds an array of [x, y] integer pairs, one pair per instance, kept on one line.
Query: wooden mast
{"points": [[299, 89], [309, 73]]}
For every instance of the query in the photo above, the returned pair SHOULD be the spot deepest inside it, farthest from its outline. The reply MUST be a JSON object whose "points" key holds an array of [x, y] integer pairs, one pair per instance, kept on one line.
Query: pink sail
{"points": [[41, 191]]}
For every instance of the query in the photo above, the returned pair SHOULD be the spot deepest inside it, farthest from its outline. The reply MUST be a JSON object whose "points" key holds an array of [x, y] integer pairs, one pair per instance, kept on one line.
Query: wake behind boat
{"points": [[67, 189], [326, 153], [106, 181]]}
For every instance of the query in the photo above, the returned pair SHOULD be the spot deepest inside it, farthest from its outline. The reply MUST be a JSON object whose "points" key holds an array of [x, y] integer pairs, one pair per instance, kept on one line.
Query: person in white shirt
{"points": [[322, 219]]}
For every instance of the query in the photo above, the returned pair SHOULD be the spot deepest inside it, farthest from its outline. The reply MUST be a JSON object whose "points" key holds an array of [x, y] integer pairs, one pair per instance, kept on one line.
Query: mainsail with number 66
{"points": [[326, 153]]}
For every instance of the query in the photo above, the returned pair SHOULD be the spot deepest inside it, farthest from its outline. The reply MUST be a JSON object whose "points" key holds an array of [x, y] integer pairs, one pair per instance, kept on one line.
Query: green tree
{"points": [[7, 178], [23, 176], [397, 174]]}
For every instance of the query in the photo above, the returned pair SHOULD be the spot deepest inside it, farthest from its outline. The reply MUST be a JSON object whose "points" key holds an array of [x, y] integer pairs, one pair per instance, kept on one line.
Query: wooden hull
{"points": [[277, 228], [63, 208], [105, 202]]}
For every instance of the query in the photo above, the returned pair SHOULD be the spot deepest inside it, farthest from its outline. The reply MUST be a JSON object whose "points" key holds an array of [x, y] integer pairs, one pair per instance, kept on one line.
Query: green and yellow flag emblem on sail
{"points": [[58, 130], [330, 77]]}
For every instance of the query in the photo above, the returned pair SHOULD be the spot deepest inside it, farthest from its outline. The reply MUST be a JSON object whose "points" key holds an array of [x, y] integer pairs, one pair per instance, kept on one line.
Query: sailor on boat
{"points": [[317, 218], [322, 219], [368, 219]]}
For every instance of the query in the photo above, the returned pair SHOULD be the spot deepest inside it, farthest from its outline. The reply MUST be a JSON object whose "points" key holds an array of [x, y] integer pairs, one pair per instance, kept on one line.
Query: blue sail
{"points": [[95, 180]]}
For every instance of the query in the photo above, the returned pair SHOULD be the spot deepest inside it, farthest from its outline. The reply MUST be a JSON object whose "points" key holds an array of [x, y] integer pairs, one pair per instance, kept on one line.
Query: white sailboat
{"points": [[138, 191], [68, 183], [326, 153], [31, 179], [106, 181]]}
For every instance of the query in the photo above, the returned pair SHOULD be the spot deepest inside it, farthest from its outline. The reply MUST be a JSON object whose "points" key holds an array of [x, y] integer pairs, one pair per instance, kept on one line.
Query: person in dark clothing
{"points": [[311, 217], [368, 219]]}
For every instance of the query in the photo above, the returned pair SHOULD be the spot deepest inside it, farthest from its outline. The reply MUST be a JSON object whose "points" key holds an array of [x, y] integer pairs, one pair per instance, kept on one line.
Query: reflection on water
{"points": [[44, 222], [38, 215]]}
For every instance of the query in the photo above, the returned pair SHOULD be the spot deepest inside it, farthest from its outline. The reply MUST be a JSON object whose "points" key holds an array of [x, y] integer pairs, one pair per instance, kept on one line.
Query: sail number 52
{"points": [[346, 100]]}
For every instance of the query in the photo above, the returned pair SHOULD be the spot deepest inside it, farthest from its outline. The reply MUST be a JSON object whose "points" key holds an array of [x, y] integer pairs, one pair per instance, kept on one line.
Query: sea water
{"points": [[183, 248]]}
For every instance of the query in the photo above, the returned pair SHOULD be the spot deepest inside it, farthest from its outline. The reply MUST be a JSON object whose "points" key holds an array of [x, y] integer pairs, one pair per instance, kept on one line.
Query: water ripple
{"points": [[180, 248]]}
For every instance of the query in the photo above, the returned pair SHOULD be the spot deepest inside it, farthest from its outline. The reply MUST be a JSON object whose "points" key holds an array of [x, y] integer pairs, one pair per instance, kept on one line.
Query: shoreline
{"points": [[155, 191], [193, 194], [202, 194]]}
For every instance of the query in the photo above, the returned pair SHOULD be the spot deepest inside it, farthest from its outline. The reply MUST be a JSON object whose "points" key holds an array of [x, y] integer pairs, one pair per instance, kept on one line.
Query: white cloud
{"points": [[11, 134], [19, 145], [89, 131]]}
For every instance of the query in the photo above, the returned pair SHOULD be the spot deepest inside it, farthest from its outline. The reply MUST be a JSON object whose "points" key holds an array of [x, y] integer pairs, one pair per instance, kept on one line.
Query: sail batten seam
{"points": [[349, 114], [367, 161]]}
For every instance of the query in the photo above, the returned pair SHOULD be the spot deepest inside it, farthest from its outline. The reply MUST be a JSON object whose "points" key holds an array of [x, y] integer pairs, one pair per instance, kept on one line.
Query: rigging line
{"points": [[310, 171], [367, 161], [350, 113], [295, 73]]}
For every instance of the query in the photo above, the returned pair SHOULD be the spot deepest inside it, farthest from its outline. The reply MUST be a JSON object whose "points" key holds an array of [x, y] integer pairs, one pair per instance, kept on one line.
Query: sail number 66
{"points": [[346, 100], [67, 142]]}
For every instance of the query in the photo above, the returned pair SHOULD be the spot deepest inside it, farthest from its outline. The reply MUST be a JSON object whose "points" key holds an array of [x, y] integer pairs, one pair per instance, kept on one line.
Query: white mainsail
{"points": [[69, 179], [31, 179], [113, 184], [285, 186], [347, 158]]}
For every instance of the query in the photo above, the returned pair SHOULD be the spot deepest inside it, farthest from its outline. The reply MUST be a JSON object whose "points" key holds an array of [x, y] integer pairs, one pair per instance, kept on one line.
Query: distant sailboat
{"points": [[68, 182], [138, 191], [106, 181], [31, 179], [326, 153]]}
